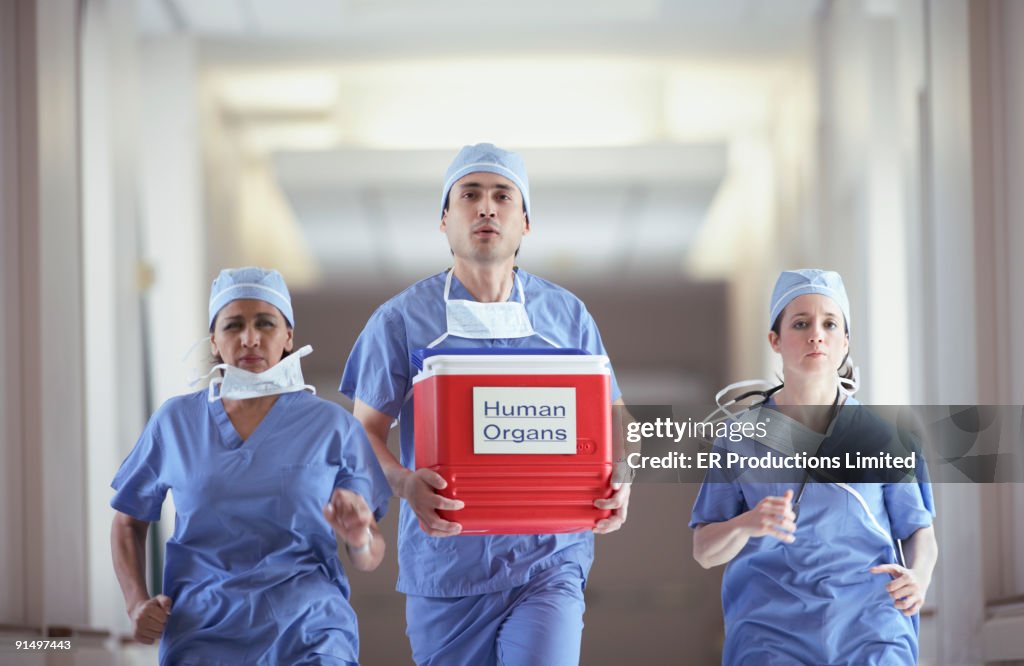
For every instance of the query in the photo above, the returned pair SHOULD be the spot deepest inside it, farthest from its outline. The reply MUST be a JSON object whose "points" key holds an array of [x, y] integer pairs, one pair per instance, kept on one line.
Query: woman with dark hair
{"points": [[831, 588], [270, 484]]}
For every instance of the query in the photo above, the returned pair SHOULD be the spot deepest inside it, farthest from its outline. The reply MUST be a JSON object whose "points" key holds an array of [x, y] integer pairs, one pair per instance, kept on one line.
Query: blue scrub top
{"points": [[252, 567], [379, 372], [814, 600]]}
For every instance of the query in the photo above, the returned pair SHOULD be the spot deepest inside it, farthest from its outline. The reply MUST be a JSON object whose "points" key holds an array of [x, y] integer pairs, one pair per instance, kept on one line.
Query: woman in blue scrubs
{"points": [[270, 483], [827, 588]]}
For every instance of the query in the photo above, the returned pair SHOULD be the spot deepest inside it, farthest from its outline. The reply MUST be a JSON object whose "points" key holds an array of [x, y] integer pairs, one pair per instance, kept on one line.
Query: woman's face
{"points": [[250, 334], [812, 336]]}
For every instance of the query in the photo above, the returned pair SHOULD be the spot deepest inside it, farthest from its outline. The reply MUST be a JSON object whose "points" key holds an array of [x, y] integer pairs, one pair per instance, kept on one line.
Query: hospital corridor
{"points": [[619, 208]]}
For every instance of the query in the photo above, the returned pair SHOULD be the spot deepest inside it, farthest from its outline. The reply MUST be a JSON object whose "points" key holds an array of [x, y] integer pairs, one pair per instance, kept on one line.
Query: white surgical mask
{"points": [[486, 321], [471, 319], [238, 384]]}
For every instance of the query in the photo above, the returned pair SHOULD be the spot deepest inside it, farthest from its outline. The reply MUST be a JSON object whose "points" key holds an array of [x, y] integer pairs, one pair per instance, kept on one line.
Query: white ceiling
{"points": [[741, 27], [628, 210], [623, 110]]}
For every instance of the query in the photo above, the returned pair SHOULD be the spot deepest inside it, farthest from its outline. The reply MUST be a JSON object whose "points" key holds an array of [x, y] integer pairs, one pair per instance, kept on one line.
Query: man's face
{"points": [[485, 221]]}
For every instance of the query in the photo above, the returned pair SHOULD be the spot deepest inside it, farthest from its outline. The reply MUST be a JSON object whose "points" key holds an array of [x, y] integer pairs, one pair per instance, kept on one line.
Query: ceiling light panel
{"points": [[522, 103], [299, 90]]}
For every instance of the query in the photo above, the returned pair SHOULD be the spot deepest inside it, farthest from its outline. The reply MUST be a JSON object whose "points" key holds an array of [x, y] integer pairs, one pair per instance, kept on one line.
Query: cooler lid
{"points": [[419, 355], [510, 362]]}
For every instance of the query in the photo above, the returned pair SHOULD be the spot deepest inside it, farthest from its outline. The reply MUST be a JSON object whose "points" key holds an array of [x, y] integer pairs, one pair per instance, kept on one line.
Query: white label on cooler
{"points": [[524, 420]]}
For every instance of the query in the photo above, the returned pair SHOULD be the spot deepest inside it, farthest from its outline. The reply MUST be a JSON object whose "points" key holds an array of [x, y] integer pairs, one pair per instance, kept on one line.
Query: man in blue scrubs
{"points": [[476, 599]]}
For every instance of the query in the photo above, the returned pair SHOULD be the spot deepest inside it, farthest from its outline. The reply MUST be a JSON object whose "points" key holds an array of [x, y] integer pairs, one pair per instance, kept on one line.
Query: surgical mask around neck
{"points": [[238, 384], [470, 319], [475, 320]]}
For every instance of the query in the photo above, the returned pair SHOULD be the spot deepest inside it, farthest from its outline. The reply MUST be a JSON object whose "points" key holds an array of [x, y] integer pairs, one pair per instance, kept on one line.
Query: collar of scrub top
{"points": [[516, 280], [521, 306]]}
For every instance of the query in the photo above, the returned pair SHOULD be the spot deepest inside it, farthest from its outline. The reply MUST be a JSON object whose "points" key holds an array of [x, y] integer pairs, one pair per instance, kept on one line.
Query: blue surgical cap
{"points": [[488, 158], [808, 281], [259, 284]]}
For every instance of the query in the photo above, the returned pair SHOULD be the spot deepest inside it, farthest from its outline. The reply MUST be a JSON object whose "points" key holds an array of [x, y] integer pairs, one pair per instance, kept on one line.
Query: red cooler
{"points": [[523, 437]]}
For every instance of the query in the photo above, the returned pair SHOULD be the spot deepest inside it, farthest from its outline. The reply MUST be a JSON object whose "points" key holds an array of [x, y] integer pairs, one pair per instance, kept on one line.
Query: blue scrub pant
{"points": [[540, 622]]}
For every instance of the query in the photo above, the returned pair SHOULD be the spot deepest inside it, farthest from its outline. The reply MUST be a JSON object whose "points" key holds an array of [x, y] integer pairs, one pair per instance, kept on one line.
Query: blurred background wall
{"points": [[680, 153]]}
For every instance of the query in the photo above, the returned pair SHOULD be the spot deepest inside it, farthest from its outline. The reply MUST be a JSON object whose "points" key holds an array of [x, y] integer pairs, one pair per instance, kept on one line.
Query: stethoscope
{"points": [[833, 412], [765, 395]]}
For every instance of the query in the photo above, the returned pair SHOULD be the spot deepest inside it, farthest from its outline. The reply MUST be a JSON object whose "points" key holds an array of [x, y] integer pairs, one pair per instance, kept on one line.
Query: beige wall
{"points": [[12, 593], [42, 298], [916, 98]]}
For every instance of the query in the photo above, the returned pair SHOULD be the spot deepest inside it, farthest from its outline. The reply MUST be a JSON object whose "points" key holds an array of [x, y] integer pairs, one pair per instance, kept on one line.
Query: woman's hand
{"points": [[149, 617], [350, 517], [906, 587], [718, 543], [354, 526], [773, 516]]}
